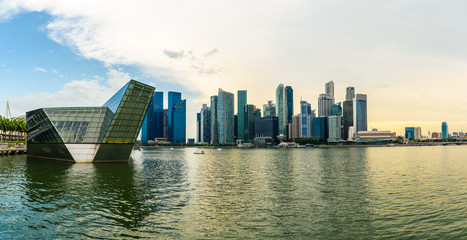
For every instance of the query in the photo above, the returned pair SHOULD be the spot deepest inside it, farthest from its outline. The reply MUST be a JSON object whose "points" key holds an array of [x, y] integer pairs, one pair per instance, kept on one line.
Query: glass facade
{"points": [[225, 116], [241, 103], [153, 121], [444, 130], [179, 122], [214, 122], [320, 128], [347, 118], [205, 124], [360, 112], [289, 103], [307, 116], [78, 133], [269, 109], [409, 132], [336, 109], [251, 114], [267, 127], [281, 109], [173, 97]]}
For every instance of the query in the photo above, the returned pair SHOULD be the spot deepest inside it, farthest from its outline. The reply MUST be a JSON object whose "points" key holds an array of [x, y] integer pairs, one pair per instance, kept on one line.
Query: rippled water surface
{"points": [[338, 193]]}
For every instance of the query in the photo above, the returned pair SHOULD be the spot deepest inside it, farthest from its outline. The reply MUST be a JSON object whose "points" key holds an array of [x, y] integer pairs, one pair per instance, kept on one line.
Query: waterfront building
{"points": [[336, 109], [214, 122], [444, 130], [324, 105], [320, 128], [165, 123], [251, 113], [241, 104], [153, 125], [360, 112], [173, 98], [225, 116], [269, 109], [295, 127], [179, 122], [352, 133], [205, 120], [334, 128], [289, 102], [267, 127], [349, 93], [198, 128], [415, 132], [90, 134], [375, 136], [281, 109], [307, 116], [329, 87], [347, 118]]}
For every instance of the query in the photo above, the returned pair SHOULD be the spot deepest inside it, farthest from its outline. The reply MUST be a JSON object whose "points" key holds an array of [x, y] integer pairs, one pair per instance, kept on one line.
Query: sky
{"points": [[408, 56]]}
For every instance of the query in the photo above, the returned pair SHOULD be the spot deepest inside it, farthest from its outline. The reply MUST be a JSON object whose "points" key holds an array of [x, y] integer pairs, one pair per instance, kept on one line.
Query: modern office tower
{"points": [[360, 112], [347, 118], [334, 128], [241, 103], [214, 122], [165, 124], [198, 128], [324, 105], [415, 132], [267, 127], [174, 97], [269, 109], [444, 130], [179, 122], [251, 113], [205, 119], [320, 128], [281, 109], [349, 93], [336, 109], [307, 116], [330, 90], [90, 134], [225, 116], [295, 131], [235, 127], [289, 102], [153, 127]]}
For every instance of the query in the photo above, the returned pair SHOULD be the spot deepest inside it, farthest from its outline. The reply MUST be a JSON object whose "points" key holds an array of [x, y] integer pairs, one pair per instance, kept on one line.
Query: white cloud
{"points": [[39, 69]]}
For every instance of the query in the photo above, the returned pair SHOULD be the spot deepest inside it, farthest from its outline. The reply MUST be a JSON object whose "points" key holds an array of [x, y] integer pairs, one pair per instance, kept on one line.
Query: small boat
{"points": [[199, 152], [171, 148], [219, 149]]}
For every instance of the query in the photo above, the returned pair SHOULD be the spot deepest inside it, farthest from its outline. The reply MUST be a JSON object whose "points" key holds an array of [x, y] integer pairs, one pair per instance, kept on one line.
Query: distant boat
{"points": [[199, 152], [171, 148], [219, 149]]}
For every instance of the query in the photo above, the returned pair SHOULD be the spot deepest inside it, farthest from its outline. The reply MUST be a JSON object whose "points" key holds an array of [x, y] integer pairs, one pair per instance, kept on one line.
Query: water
{"points": [[348, 193]]}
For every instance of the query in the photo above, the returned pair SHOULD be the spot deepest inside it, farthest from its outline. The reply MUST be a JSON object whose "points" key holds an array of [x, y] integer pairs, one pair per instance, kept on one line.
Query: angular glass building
{"points": [[90, 134]]}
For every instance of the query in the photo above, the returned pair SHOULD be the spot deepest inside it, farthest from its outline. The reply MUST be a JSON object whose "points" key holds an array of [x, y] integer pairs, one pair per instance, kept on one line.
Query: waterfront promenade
{"points": [[10, 151]]}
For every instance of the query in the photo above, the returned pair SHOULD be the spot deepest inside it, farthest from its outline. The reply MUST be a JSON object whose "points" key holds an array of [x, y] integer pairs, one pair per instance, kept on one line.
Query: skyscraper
{"points": [[444, 130], [289, 103], [198, 128], [281, 109], [153, 125], [205, 124], [360, 112], [320, 131], [324, 105], [179, 122], [267, 127], [348, 111], [334, 128], [174, 97], [295, 127], [307, 116], [336, 109], [251, 113], [349, 93], [225, 116], [214, 122], [330, 90], [269, 109], [241, 103]]}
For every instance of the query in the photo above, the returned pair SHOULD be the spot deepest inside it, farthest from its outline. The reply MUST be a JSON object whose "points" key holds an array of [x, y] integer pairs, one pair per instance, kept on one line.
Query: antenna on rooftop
{"points": [[8, 112]]}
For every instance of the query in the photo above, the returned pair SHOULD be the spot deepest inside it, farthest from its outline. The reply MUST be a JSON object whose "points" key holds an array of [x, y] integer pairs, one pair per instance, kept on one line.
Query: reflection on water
{"points": [[347, 193]]}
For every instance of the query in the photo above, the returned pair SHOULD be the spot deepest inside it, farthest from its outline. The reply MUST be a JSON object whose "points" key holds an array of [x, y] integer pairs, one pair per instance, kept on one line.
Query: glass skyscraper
{"points": [[325, 105], [173, 98], [90, 134], [334, 128], [214, 122], [289, 103], [281, 109], [269, 109], [348, 112], [225, 116], [307, 116], [320, 128], [251, 114], [153, 125], [444, 130], [360, 112], [336, 109], [179, 122], [241, 103], [205, 131]]}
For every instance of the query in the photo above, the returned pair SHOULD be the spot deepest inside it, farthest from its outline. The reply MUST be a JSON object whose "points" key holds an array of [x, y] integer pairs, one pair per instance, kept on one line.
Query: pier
{"points": [[12, 151]]}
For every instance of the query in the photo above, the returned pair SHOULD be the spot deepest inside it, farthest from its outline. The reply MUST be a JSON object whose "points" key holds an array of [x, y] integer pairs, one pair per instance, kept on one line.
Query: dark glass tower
{"points": [[179, 122], [241, 103], [289, 103], [153, 121], [174, 97]]}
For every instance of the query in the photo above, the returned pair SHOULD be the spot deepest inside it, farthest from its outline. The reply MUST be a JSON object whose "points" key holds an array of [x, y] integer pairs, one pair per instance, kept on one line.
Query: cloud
{"points": [[212, 52], [54, 71], [39, 69], [173, 54]]}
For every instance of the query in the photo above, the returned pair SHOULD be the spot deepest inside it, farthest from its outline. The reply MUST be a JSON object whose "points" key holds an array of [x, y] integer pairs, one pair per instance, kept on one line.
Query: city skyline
{"points": [[405, 58]]}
